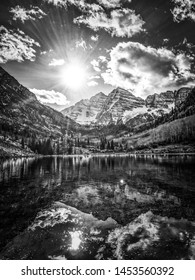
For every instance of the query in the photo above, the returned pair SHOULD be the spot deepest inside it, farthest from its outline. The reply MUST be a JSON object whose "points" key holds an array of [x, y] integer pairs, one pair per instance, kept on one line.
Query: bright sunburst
{"points": [[73, 75]]}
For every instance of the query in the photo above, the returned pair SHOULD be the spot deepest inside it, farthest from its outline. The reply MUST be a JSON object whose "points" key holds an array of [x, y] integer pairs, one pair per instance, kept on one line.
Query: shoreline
{"points": [[168, 150], [143, 154]]}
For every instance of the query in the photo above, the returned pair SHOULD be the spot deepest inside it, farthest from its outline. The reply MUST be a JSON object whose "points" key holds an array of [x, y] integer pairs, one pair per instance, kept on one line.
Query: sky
{"points": [[68, 50]]}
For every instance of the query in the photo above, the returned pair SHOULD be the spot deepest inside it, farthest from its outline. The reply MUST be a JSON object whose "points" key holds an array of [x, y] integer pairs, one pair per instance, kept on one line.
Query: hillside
{"points": [[173, 131], [24, 118], [180, 132], [28, 127]]}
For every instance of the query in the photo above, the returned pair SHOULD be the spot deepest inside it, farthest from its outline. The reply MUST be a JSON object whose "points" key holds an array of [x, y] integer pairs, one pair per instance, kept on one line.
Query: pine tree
{"points": [[58, 148], [22, 143], [112, 145]]}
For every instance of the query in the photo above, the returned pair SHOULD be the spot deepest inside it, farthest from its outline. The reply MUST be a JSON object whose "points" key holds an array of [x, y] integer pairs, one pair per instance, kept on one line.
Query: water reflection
{"points": [[106, 188], [76, 237]]}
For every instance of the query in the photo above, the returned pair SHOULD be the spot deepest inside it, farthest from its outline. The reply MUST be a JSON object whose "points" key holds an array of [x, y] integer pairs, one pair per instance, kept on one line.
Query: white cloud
{"points": [[121, 22], [94, 38], [94, 77], [95, 65], [112, 3], [46, 52], [57, 2], [81, 4], [50, 96], [20, 13], [92, 84], [99, 64], [81, 44], [16, 45], [184, 9], [56, 62], [145, 69], [166, 40], [43, 53]]}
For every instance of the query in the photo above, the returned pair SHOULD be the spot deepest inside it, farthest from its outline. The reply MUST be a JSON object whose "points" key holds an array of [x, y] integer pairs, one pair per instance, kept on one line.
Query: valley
{"points": [[117, 123]]}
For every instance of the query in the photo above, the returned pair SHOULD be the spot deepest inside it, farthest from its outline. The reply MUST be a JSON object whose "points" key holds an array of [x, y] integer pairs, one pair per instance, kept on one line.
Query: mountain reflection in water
{"points": [[106, 207]]}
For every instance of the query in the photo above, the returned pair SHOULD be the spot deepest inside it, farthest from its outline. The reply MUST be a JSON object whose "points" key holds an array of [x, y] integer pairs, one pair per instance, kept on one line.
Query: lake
{"points": [[98, 207]]}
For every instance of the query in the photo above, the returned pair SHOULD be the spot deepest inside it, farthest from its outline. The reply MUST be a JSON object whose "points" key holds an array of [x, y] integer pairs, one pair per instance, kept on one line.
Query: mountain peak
{"points": [[99, 95], [121, 91], [85, 111], [117, 103]]}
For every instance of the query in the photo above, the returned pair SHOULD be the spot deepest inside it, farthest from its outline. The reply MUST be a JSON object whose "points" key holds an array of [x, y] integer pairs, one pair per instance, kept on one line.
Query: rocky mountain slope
{"points": [[117, 103], [25, 122], [102, 110], [173, 132], [20, 109], [167, 99], [86, 110], [122, 107]]}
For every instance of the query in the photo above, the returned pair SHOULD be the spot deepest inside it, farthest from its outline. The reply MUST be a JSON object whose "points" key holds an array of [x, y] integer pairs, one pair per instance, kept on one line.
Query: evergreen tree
{"points": [[58, 148], [70, 149], [22, 143], [112, 145]]}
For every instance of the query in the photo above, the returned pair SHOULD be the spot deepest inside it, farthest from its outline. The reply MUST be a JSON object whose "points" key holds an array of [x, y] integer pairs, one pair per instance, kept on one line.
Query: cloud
{"points": [[16, 45], [121, 22], [94, 38], [99, 64], [166, 40], [81, 4], [20, 13], [95, 65], [92, 84], [57, 2], [81, 44], [56, 62], [94, 77], [50, 96], [184, 9], [145, 69], [112, 3]]}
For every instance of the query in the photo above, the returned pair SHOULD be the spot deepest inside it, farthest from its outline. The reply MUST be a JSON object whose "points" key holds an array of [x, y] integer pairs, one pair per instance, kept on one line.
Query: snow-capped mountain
{"points": [[167, 99], [86, 110], [162, 100], [155, 106], [121, 106], [117, 103]]}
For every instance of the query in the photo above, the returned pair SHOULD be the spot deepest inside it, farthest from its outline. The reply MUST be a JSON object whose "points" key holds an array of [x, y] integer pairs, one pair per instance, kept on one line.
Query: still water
{"points": [[106, 207]]}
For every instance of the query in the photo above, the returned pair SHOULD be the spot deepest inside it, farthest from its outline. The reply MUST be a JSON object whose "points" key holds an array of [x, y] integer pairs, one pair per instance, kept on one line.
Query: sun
{"points": [[73, 75]]}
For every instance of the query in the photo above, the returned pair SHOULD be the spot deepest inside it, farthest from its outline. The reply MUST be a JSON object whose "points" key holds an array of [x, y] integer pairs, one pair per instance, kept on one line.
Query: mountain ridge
{"points": [[23, 119], [121, 106]]}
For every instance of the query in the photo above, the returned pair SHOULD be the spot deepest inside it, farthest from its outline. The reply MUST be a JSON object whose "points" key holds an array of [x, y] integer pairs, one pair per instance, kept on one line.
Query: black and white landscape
{"points": [[97, 129]]}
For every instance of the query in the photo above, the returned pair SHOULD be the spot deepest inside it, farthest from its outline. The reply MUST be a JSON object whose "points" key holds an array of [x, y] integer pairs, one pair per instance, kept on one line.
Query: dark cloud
{"points": [[145, 69], [184, 9]]}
